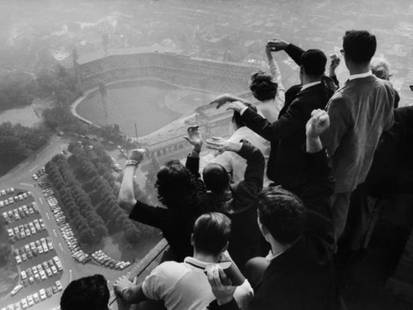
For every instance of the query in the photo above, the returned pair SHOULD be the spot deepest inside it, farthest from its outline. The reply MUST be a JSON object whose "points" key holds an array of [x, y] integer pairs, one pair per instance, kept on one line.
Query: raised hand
{"points": [[334, 61], [317, 124], [136, 154], [277, 45], [224, 99], [222, 145], [194, 137]]}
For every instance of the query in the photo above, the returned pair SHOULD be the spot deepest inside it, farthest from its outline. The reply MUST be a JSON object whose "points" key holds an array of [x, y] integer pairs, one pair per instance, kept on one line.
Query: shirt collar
{"points": [[305, 86], [195, 262], [360, 75]]}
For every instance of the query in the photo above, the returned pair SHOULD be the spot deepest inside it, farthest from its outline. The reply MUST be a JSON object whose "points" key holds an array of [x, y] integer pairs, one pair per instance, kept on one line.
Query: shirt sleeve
{"points": [[243, 295], [149, 215], [339, 121], [161, 280], [152, 285]]}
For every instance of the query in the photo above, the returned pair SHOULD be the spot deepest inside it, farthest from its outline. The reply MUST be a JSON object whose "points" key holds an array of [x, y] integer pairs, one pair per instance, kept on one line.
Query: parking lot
{"points": [[39, 267]]}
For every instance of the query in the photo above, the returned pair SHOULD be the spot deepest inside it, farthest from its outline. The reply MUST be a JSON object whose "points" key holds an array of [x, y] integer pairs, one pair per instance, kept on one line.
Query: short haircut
{"points": [[236, 117], [216, 178], [262, 86], [282, 213], [88, 293], [313, 61], [211, 233], [176, 185], [359, 46]]}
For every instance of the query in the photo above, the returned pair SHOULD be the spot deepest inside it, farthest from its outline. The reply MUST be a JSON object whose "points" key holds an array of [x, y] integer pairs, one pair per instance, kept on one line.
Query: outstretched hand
{"points": [[317, 124], [224, 99], [277, 45], [222, 145], [194, 137]]}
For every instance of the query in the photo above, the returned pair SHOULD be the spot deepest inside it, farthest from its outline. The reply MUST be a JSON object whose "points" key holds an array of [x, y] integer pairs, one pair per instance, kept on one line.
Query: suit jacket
{"points": [[303, 276], [287, 164]]}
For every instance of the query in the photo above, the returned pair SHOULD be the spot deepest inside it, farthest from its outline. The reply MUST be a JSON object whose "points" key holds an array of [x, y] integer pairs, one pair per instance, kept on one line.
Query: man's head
{"points": [[211, 233], [236, 117], [380, 67], [216, 178], [88, 293], [262, 86], [313, 64], [359, 47], [281, 214], [175, 184]]}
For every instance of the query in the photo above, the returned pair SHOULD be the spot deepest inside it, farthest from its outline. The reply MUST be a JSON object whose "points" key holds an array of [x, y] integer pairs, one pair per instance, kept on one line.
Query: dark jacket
{"points": [[392, 169], [176, 226], [287, 164], [303, 276], [246, 240]]}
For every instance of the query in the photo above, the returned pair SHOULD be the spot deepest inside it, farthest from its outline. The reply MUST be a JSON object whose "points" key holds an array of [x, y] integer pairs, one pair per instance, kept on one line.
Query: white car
{"points": [[42, 293], [30, 300], [24, 303], [16, 289], [43, 275], [36, 297]]}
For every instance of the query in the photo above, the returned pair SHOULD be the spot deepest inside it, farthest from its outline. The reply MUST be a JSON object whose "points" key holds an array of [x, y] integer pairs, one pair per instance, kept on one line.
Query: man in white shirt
{"points": [[184, 286], [233, 163]]}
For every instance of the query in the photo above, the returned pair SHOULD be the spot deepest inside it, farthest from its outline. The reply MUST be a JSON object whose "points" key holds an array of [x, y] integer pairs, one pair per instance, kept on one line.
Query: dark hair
{"points": [[282, 213], [211, 233], [88, 293], [359, 46], [313, 62], [262, 86], [236, 117], [176, 185], [216, 178]]}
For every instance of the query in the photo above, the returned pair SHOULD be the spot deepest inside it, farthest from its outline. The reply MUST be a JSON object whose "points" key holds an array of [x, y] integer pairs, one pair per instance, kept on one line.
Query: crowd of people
{"points": [[266, 224]]}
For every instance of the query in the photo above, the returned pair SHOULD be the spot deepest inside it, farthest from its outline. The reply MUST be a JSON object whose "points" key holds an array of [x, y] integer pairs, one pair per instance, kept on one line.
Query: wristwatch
{"points": [[131, 162]]}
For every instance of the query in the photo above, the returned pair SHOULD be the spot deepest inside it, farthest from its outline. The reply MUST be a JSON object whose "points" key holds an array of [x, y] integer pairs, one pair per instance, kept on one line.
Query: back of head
{"points": [[359, 46], [262, 86], [176, 185], [88, 293], [314, 61], [282, 213], [211, 233], [216, 178], [236, 117], [380, 67]]}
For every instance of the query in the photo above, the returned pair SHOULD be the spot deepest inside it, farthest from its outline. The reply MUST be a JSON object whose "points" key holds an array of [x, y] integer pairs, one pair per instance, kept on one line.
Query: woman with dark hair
{"points": [[177, 191]]}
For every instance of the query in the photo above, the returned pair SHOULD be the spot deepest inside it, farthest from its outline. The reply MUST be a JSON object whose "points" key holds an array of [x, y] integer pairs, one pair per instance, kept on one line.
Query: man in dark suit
{"points": [[288, 163], [298, 273]]}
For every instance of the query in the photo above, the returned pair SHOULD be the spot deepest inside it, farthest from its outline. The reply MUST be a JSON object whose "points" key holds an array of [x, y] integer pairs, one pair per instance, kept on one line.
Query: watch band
{"points": [[131, 162]]}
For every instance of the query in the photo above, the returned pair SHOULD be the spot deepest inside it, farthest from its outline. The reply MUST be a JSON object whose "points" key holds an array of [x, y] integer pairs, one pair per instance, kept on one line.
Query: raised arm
{"points": [[275, 72], [320, 185], [192, 160], [141, 212], [126, 191]]}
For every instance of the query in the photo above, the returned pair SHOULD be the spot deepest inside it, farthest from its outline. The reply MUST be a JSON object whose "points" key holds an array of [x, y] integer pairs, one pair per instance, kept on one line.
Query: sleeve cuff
{"points": [[243, 110]]}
